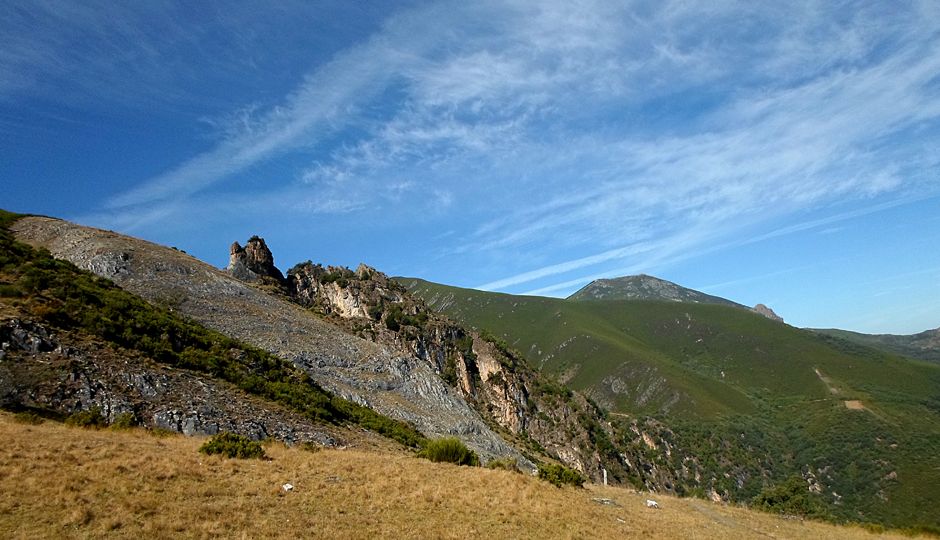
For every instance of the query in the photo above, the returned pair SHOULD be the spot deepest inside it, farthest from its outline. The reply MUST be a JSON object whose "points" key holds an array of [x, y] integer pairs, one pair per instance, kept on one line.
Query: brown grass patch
{"points": [[65, 482]]}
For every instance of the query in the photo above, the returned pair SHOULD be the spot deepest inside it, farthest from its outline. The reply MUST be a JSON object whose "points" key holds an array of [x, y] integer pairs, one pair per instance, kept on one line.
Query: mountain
{"points": [[356, 334], [727, 386], [644, 287], [761, 309], [923, 346], [684, 398]]}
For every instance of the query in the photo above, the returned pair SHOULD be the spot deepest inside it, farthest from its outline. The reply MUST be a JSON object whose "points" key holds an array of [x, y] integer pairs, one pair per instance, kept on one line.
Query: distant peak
{"points": [[767, 312], [645, 287]]}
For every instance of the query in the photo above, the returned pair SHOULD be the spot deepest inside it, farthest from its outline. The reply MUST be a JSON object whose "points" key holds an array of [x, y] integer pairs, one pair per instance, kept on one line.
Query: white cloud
{"points": [[595, 138]]}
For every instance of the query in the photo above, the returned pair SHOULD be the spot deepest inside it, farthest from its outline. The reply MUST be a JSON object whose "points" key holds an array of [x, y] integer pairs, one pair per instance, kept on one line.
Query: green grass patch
{"points": [[89, 418], [232, 445], [449, 450], [560, 475]]}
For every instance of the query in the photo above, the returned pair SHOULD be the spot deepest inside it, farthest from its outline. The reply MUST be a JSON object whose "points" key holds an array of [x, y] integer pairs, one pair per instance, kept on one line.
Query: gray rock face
{"points": [[767, 312], [395, 384], [501, 387], [40, 370], [17, 335], [253, 262]]}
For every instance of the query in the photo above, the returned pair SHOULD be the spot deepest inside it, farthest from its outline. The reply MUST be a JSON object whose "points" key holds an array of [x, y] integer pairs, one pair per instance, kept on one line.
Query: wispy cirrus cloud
{"points": [[589, 139]]}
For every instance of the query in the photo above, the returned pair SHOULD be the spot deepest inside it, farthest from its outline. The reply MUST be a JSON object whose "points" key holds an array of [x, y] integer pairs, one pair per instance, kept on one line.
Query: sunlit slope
{"points": [[643, 356], [68, 482], [922, 346], [866, 422]]}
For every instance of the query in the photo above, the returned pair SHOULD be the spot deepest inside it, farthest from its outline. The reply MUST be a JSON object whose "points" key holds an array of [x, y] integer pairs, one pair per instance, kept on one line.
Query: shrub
{"points": [[162, 433], [311, 447], [560, 475], [28, 417], [125, 420], [449, 450], [507, 463], [90, 418], [232, 445], [790, 497]]}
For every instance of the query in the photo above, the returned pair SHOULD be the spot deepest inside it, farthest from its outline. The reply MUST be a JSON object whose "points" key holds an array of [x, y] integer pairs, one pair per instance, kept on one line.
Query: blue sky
{"points": [[775, 152]]}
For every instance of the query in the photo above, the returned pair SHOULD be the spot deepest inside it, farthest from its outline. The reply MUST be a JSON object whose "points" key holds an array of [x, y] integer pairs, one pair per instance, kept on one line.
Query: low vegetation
{"points": [[57, 481], [560, 475], [233, 445], [791, 498], [507, 463], [449, 450], [89, 418], [28, 417]]}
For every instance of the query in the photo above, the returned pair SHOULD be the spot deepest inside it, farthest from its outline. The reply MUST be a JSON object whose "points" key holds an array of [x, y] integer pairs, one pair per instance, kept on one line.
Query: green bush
{"points": [[791, 497], [28, 417], [232, 445], [507, 463], [393, 318], [125, 420], [90, 418], [449, 450], [162, 433], [311, 447], [560, 475]]}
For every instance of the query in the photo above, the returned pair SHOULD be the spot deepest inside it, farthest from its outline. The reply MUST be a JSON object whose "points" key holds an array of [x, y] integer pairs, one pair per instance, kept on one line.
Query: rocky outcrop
{"points": [[533, 412], [64, 374], [340, 291], [397, 385], [254, 262], [767, 312]]}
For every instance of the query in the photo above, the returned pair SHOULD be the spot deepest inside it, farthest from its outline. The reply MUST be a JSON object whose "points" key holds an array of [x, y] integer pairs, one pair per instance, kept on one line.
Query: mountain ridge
{"points": [[922, 345], [645, 287], [704, 399]]}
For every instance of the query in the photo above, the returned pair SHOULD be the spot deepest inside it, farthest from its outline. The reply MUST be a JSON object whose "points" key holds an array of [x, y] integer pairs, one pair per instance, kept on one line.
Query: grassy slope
{"points": [[896, 344], [690, 345], [57, 481], [680, 351]]}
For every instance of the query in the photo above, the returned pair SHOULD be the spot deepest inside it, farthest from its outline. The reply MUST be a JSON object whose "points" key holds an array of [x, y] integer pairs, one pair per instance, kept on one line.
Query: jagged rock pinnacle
{"points": [[253, 261]]}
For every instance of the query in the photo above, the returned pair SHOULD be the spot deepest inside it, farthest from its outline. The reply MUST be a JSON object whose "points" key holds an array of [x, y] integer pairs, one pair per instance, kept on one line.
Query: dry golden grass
{"points": [[57, 481]]}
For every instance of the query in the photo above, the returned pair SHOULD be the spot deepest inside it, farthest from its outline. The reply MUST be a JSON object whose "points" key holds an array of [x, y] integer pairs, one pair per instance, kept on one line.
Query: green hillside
{"points": [[922, 346], [864, 423], [644, 287]]}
